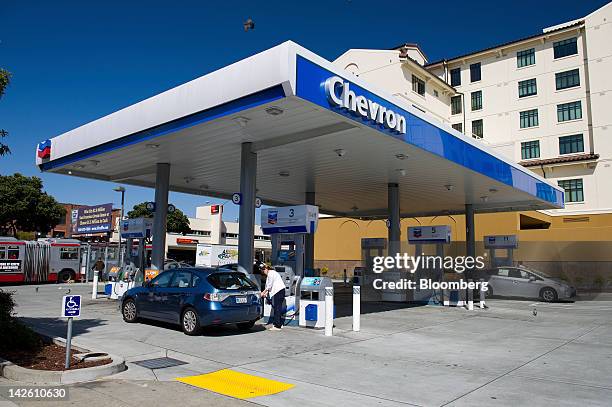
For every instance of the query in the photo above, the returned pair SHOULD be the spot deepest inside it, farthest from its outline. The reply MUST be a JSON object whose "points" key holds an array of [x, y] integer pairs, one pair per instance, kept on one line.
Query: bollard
{"points": [[94, 289], [482, 294], [470, 297], [356, 308], [329, 311]]}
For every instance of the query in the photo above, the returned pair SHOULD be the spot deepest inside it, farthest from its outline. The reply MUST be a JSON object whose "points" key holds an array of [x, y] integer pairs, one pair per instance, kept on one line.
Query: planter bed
{"points": [[47, 364]]}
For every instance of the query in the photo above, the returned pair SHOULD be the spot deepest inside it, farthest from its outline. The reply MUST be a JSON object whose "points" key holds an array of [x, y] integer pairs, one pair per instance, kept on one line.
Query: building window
{"points": [[530, 149], [477, 100], [525, 58], [456, 104], [571, 144], [528, 87], [455, 77], [573, 190], [565, 47], [567, 79], [475, 72], [529, 118], [436, 94], [477, 130], [569, 111], [418, 85], [458, 127]]}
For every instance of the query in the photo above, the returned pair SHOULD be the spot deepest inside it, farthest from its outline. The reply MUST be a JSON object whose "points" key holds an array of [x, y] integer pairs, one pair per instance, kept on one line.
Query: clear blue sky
{"points": [[75, 61]]}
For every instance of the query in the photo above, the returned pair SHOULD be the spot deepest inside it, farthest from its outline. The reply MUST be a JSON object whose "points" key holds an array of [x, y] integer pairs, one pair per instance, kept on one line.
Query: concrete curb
{"points": [[22, 374]]}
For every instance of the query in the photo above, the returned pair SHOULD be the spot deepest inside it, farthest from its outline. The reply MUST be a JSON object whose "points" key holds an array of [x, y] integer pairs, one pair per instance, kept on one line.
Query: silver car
{"points": [[528, 283]]}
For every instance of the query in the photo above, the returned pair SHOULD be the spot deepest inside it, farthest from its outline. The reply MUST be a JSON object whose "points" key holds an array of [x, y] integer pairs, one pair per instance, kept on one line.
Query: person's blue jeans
{"points": [[277, 307]]}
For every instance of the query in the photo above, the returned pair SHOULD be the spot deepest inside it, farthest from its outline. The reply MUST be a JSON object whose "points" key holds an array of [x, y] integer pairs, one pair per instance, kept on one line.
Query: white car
{"points": [[520, 281]]}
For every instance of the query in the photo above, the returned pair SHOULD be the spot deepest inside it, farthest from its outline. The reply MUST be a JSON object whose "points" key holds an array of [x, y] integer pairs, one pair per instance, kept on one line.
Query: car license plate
{"points": [[241, 300]]}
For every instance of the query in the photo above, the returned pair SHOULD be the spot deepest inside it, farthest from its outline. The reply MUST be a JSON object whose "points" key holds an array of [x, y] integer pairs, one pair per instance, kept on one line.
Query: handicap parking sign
{"points": [[71, 306]]}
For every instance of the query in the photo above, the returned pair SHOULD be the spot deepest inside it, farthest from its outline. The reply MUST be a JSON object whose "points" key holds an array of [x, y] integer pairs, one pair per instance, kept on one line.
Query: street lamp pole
{"points": [[122, 190]]}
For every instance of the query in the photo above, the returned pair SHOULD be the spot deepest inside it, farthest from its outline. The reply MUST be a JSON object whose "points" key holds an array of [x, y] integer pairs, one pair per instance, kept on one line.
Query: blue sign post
{"points": [[71, 308]]}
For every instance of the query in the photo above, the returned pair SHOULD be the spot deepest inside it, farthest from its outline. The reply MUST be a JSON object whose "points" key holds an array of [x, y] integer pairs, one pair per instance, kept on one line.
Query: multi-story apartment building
{"points": [[544, 100]]}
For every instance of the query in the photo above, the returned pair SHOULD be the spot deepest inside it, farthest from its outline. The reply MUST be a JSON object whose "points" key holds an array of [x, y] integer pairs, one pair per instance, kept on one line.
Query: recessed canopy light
{"points": [[242, 121], [401, 171], [69, 172], [449, 187], [274, 110], [340, 152], [204, 186], [78, 166], [188, 179], [153, 146], [94, 162], [484, 198], [492, 190], [354, 208], [401, 156], [284, 173]]}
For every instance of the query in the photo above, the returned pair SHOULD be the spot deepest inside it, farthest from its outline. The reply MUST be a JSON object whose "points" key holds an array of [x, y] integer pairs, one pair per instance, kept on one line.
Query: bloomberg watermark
{"points": [[405, 262]]}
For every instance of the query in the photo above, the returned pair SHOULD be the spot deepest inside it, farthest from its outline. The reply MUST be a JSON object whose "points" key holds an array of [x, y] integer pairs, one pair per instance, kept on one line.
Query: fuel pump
{"points": [[501, 249], [287, 227], [133, 271], [423, 238], [364, 276]]}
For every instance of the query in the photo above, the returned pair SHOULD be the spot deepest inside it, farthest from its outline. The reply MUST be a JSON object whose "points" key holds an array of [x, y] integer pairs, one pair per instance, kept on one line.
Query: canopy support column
{"points": [[470, 235], [309, 238], [393, 205], [162, 186], [246, 227]]}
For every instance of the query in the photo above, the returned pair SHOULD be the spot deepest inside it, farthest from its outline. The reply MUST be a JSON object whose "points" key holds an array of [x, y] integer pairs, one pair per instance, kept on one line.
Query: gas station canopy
{"points": [[314, 127]]}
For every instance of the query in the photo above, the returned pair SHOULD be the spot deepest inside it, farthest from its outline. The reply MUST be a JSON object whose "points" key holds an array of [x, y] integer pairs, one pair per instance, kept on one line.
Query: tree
{"points": [[5, 78], [25, 207], [177, 221]]}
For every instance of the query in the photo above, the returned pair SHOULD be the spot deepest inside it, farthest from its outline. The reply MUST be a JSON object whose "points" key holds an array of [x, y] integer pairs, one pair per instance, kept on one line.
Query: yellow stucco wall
{"points": [[569, 238]]}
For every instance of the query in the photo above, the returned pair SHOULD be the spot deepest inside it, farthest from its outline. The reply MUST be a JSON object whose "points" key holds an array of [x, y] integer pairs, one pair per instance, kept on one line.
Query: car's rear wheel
{"points": [[190, 322], [129, 311], [548, 294], [245, 326]]}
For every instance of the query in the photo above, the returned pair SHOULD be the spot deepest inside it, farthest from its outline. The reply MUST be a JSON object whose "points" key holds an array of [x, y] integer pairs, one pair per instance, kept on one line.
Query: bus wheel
{"points": [[64, 276]]}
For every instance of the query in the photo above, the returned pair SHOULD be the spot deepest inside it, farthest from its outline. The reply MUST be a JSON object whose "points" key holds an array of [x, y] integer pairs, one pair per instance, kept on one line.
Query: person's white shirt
{"points": [[274, 282]]}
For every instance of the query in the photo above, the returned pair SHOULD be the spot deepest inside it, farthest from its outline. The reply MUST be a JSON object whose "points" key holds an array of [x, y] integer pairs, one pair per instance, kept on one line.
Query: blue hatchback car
{"points": [[195, 298]]}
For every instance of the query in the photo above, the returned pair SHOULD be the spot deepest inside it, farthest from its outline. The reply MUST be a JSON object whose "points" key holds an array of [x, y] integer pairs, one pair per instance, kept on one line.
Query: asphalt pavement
{"points": [[506, 355]]}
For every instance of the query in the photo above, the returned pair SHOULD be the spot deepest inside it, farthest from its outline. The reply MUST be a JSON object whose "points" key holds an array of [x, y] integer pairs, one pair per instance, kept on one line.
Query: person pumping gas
{"points": [[275, 290]]}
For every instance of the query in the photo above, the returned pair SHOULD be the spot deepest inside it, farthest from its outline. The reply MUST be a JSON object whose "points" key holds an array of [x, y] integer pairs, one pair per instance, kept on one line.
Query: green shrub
{"points": [[15, 336], [7, 304], [18, 337]]}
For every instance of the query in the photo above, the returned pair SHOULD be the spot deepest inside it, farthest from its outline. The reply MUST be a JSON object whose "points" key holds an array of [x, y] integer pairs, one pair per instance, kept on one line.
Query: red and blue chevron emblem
{"points": [[44, 149]]}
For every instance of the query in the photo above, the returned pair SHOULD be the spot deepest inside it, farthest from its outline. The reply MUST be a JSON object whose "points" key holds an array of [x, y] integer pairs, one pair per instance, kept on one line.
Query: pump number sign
{"points": [[290, 219]]}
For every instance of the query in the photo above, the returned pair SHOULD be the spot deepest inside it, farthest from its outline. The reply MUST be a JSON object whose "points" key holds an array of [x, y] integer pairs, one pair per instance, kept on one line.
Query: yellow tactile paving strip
{"points": [[235, 384]]}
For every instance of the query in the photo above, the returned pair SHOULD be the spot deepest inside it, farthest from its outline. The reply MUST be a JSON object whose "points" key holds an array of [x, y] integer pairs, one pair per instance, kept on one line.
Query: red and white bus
{"points": [[49, 260]]}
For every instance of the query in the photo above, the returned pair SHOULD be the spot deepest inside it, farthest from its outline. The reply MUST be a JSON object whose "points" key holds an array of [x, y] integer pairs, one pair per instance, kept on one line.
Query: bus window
{"points": [[69, 253], [13, 252]]}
